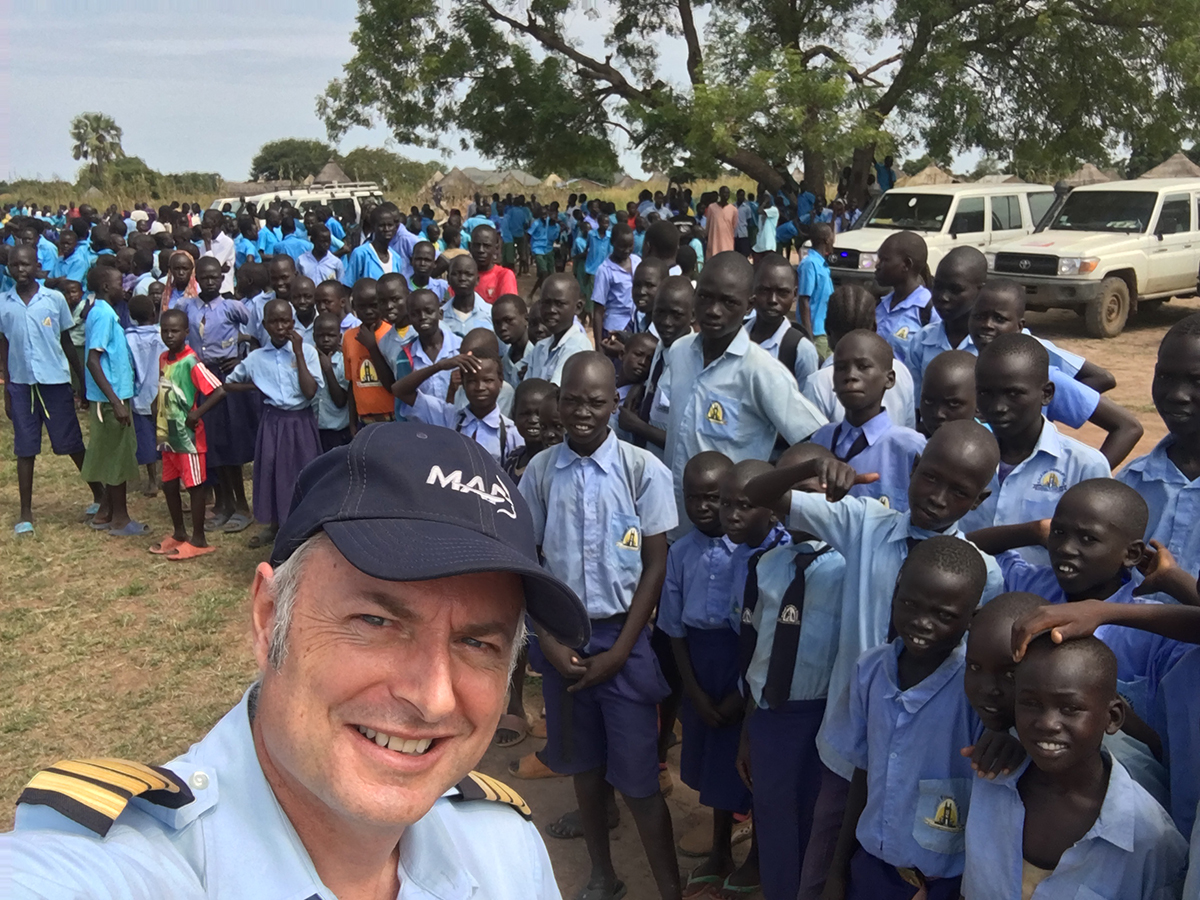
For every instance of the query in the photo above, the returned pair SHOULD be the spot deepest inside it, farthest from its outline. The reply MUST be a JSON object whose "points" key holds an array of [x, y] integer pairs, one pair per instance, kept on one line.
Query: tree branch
{"points": [[695, 61], [613, 124]]}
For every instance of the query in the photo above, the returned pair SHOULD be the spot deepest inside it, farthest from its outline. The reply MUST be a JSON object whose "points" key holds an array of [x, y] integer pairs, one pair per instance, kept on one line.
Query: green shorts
{"points": [[509, 254], [545, 263], [111, 456]]}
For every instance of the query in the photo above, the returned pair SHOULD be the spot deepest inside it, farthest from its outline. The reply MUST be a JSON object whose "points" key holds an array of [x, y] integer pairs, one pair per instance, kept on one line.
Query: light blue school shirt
{"points": [[435, 385], [74, 267], [471, 224], [335, 228], [908, 742], [1036, 484], [34, 334], [330, 416], [294, 246], [403, 244], [1179, 710], [897, 325], [254, 316], [513, 222], [873, 539], [364, 262], [578, 246], [898, 400], [820, 619], [1174, 502], [737, 405], [891, 451], [274, 372], [479, 317], [327, 268], [305, 331], [145, 347], [439, 286], [47, 254], [547, 358], [103, 332], [698, 585], [599, 248], [1131, 851], [214, 327], [639, 241], [487, 432], [542, 235], [267, 239], [816, 284], [245, 250], [234, 841], [350, 320], [591, 515], [807, 359], [141, 287], [695, 244], [614, 291]]}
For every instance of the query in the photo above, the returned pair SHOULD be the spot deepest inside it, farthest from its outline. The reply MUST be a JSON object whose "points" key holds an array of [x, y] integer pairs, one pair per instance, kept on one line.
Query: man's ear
{"points": [[262, 613]]}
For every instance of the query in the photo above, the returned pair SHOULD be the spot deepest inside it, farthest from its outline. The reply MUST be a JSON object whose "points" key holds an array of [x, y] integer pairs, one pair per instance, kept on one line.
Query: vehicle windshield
{"points": [[1125, 211], [911, 212]]}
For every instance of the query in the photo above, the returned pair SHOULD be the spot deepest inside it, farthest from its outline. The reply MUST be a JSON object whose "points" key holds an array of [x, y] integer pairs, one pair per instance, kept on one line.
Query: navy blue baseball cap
{"points": [[405, 501]]}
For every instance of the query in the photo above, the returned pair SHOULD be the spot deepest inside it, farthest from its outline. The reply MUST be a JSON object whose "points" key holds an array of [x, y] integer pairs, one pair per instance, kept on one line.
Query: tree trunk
{"points": [[814, 172], [859, 170], [756, 167]]}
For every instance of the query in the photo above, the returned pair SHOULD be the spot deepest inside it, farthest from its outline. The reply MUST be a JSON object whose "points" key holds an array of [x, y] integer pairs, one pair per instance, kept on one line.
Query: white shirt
{"points": [[222, 249], [898, 400]]}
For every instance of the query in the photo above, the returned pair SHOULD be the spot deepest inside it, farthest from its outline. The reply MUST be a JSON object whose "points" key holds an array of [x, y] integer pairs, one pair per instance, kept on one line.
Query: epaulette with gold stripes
{"points": [[93, 792], [477, 786]]}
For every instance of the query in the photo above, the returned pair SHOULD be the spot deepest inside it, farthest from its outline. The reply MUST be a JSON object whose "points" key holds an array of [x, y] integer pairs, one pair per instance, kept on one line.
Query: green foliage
{"points": [[290, 158], [392, 171], [96, 138], [129, 176]]}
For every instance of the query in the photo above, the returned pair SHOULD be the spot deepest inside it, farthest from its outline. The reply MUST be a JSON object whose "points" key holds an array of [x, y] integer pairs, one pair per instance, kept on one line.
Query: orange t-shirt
{"points": [[370, 397], [495, 282]]}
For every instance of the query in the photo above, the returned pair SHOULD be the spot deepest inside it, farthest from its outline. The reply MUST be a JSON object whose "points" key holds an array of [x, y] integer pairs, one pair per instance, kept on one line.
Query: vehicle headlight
{"points": [[867, 260], [991, 260], [1076, 265]]}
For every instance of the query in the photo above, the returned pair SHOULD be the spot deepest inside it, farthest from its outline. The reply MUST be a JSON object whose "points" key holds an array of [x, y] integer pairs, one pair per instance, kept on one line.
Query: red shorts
{"points": [[187, 467]]}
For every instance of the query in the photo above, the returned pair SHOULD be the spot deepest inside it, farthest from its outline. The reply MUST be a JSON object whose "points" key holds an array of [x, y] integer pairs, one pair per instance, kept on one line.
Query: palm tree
{"points": [[97, 139]]}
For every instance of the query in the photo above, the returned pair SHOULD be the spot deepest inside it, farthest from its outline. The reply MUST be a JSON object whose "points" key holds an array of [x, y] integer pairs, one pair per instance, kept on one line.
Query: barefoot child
{"points": [[145, 348], [287, 372], [179, 433], [333, 414]]}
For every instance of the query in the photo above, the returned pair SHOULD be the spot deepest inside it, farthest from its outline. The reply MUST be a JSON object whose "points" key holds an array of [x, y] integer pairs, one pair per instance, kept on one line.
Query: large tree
{"points": [[1037, 83], [395, 172], [96, 138], [290, 158]]}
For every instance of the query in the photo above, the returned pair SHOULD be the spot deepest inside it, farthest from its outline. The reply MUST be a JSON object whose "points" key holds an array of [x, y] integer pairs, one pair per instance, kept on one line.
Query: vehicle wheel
{"points": [[1106, 315]]}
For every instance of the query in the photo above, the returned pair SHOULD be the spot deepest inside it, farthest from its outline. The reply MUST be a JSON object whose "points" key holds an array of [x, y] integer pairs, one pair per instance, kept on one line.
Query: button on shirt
{"points": [[1132, 850], [34, 333], [614, 291], [327, 268], [1174, 502], [234, 841], [873, 540], [486, 432], [886, 731], [807, 360], [1033, 488], [103, 332], [819, 620], [546, 358], [274, 372], [890, 451], [897, 325], [213, 327], [698, 585], [591, 515], [736, 405], [899, 400], [480, 316], [330, 416]]}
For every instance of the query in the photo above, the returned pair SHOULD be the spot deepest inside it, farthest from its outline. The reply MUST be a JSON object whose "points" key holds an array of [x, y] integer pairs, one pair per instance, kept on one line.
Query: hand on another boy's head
{"points": [[1064, 621], [467, 363], [995, 753]]}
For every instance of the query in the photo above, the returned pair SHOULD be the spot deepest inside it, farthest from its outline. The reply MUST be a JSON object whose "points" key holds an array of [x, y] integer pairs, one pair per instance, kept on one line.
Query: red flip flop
{"points": [[189, 551], [165, 546]]}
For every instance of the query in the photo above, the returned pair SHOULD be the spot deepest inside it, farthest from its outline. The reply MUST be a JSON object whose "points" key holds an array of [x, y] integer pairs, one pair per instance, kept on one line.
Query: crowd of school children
{"points": [[817, 525]]}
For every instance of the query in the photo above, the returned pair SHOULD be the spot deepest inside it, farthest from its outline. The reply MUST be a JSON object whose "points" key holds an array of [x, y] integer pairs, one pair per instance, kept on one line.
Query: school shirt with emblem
{"points": [[897, 325], [234, 842], [34, 333], [890, 451], [371, 398], [180, 380]]}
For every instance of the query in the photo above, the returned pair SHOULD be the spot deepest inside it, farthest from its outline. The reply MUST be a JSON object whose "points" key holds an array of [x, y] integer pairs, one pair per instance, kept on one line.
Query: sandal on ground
{"points": [[264, 538], [569, 825], [599, 893], [99, 526], [732, 891], [699, 885], [188, 550], [510, 731], [165, 546], [742, 831], [23, 528], [529, 767], [132, 529], [236, 523]]}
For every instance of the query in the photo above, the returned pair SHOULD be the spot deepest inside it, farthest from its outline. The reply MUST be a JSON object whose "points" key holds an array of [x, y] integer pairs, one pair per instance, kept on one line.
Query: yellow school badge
{"points": [[716, 413], [366, 373], [46, 321], [902, 333], [945, 818], [631, 540], [1051, 480]]}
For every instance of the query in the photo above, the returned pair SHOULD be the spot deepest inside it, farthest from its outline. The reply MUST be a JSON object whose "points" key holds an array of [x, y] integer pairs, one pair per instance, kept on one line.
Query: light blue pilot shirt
{"points": [[1131, 851], [1174, 502], [495, 432], [591, 515], [897, 325], [274, 372], [613, 291], [918, 785], [890, 451], [737, 405], [698, 585], [234, 842], [807, 359], [245, 250], [34, 332], [899, 400], [480, 316], [327, 268], [549, 355], [330, 416], [820, 619], [141, 287], [874, 542], [1032, 489]]}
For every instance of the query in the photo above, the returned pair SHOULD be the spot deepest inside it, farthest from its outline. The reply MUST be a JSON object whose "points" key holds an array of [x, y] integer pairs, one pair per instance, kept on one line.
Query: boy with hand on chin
{"points": [[601, 713]]}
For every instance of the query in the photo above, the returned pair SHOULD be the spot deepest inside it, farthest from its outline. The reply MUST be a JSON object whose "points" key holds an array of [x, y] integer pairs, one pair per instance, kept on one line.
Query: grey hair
{"points": [[286, 585]]}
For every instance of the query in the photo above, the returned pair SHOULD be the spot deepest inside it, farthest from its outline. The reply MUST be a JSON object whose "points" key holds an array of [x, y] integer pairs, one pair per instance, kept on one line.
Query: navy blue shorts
{"points": [[52, 405], [873, 879], [611, 726], [147, 447]]}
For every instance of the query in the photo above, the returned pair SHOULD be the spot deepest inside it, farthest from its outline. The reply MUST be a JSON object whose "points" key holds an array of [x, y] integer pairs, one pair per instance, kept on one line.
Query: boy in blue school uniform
{"points": [[906, 308], [292, 244], [815, 286], [771, 325], [1168, 477], [612, 294], [694, 613], [375, 258], [632, 369], [867, 437], [39, 359], [903, 729], [74, 261], [465, 310], [318, 262], [145, 347], [333, 412], [424, 257], [560, 306], [1070, 822], [601, 509], [245, 245], [957, 282], [1037, 463]]}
